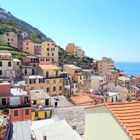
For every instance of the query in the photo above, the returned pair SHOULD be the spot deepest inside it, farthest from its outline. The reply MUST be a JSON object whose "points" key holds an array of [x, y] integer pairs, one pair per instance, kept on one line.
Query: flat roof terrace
{"points": [[101, 125]]}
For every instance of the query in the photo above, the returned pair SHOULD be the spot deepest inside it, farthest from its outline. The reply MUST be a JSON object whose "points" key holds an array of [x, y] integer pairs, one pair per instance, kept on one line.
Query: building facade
{"points": [[17, 101], [105, 65], [50, 50], [9, 38], [6, 64]]}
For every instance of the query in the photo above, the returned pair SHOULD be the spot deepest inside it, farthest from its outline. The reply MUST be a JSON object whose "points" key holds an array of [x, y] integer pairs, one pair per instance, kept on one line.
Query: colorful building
{"points": [[76, 50], [49, 79], [76, 72], [28, 46], [17, 67], [50, 50], [70, 48], [105, 65], [9, 38], [30, 65], [6, 64], [41, 105], [17, 101]]}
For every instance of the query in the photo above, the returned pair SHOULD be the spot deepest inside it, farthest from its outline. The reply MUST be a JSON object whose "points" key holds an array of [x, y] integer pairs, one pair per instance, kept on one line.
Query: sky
{"points": [[108, 28]]}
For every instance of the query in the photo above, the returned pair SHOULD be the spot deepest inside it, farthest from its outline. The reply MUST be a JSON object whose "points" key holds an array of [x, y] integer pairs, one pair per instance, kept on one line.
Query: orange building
{"points": [[17, 101], [49, 79], [70, 48]]}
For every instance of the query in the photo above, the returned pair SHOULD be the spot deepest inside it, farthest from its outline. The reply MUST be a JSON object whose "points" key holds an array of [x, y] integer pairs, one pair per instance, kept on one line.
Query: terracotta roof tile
{"points": [[81, 99], [128, 115]]}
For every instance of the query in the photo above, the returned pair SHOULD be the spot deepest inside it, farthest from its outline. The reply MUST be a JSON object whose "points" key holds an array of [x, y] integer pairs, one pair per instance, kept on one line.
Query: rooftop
{"points": [[61, 100], [20, 130], [128, 115], [5, 52], [94, 77], [31, 56], [38, 94], [34, 77], [18, 92], [81, 99], [113, 94], [16, 60], [59, 130], [49, 67], [74, 67], [75, 116], [101, 125], [124, 78], [15, 92]]}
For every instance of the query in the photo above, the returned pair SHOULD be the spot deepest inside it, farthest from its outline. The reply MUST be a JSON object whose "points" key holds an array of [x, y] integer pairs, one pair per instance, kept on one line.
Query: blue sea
{"points": [[129, 67]]}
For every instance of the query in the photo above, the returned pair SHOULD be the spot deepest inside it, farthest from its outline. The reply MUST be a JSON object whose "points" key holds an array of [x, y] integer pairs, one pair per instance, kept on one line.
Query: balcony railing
{"points": [[42, 108]]}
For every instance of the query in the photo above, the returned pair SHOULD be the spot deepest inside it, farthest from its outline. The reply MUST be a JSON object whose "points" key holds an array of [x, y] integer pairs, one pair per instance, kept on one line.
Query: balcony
{"points": [[42, 108], [22, 105]]}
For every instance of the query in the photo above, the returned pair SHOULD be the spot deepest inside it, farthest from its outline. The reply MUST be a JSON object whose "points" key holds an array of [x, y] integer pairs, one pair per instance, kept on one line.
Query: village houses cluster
{"points": [[36, 88]]}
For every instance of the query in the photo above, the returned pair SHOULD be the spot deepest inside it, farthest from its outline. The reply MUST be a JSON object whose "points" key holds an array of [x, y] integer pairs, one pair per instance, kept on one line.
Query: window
{"points": [[26, 99], [17, 63], [52, 54], [7, 34], [60, 80], [47, 49], [9, 64], [36, 114], [34, 102], [25, 71], [56, 73], [3, 101], [54, 88], [27, 112], [48, 54], [60, 88], [8, 39], [15, 113], [12, 39], [0, 72], [52, 59], [0, 63], [27, 43], [47, 74], [27, 48], [47, 90], [54, 81]]}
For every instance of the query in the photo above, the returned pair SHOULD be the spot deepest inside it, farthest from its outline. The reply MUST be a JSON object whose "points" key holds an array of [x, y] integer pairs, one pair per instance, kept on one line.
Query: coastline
{"points": [[129, 68]]}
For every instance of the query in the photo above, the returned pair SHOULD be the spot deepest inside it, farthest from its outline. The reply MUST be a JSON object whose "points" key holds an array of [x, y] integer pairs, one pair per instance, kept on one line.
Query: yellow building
{"points": [[76, 72], [50, 50], [49, 79], [41, 105]]}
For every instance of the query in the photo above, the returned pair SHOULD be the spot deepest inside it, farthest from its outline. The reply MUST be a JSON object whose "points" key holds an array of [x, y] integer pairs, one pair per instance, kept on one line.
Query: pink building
{"points": [[28, 46], [11, 39], [44, 60]]}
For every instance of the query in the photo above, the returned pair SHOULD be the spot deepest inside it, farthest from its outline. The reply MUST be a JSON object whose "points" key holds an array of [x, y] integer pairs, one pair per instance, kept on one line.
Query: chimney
{"points": [[44, 137]]}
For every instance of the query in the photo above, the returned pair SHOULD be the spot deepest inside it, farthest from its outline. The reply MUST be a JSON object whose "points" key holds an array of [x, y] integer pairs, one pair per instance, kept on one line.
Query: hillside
{"points": [[15, 53], [8, 22]]}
